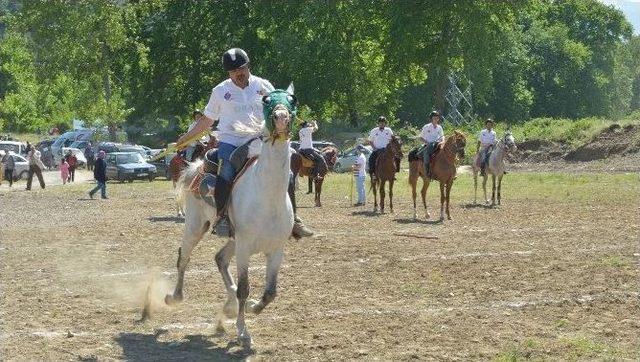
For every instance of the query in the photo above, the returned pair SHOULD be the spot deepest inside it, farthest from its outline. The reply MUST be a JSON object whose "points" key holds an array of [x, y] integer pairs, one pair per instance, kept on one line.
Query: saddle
{"points": [[414, 155], [306, 161], [204, 184]]}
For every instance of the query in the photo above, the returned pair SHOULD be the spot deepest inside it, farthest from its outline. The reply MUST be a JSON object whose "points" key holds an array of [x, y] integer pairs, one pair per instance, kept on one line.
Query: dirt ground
{"points": [[550, 274]]}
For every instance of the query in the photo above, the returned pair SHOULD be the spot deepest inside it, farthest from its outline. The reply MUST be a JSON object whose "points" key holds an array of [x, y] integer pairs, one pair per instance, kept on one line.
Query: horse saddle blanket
{"points": [[306, 162], [206, 188]]}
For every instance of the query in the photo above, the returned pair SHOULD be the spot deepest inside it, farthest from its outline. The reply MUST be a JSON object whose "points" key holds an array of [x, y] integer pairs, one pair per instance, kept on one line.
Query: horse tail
{"points": [[184, 182]]}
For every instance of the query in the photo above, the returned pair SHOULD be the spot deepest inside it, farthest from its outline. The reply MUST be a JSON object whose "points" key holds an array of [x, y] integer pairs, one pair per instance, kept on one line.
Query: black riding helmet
{"points": [[434, 114], [234, 58]]}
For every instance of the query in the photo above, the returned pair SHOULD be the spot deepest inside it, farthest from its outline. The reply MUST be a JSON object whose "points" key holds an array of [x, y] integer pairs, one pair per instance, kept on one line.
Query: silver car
{"points": [[21, 169], [348, 158]]}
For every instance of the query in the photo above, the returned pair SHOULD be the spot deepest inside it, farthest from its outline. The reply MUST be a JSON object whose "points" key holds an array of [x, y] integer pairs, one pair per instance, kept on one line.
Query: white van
{"points": [[18, 148]]}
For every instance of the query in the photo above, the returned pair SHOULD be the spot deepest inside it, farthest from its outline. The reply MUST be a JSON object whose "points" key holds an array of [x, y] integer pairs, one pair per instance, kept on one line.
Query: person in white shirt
{"points": [[359, 172], [431, 135], [486, 142], [379, 138], [236, 101], [307, 150], [35, 166]]}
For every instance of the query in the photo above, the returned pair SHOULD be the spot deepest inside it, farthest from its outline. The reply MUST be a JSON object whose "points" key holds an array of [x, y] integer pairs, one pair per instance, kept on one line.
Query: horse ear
{"points": [[292, 99], [290, 88], [266, 100]]}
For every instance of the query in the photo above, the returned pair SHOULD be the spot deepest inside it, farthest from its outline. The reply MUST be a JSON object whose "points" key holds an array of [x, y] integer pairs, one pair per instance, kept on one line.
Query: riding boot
{"points": [[222, 227]]}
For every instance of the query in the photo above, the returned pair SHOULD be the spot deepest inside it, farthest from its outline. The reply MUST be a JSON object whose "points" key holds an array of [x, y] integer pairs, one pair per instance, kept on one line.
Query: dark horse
{"points": [[385, 170], [303, 168]]}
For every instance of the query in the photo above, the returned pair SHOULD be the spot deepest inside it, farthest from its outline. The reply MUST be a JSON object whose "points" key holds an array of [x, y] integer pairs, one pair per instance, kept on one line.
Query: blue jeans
{"points": [[224, 155], [360, 187], [102, 186]]}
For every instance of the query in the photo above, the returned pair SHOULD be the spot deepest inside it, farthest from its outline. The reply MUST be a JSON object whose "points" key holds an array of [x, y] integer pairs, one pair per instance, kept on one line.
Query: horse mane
{"points": [[255, 127]]}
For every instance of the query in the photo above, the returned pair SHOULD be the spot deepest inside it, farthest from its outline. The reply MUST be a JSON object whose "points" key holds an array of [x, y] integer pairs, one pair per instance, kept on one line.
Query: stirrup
{"points": [[222, 228]]}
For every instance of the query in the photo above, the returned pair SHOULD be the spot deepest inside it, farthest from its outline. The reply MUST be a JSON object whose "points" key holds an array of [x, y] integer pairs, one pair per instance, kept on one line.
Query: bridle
{"points": [[454, 144]]}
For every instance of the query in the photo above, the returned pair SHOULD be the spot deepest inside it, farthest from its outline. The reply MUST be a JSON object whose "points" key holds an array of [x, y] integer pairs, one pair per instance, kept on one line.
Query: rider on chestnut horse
{"points": [[307, 150], [431, 135], [379, 138]]}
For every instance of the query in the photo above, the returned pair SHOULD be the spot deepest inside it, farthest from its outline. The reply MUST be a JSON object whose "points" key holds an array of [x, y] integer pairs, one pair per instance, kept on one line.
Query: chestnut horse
{"points": [[443, 169], [385, 170], [330, 155]]}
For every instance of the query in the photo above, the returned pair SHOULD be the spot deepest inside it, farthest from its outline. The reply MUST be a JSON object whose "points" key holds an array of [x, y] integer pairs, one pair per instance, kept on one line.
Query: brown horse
{"points": [[443, 169], [302, 168], [385, 170]]}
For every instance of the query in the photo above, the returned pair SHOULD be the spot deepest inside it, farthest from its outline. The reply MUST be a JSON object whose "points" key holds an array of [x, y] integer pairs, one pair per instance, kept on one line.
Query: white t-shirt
{"points": [[487, 138], [380, 138], [234, 106], [306, 140], [360, 165], [432, 134]]}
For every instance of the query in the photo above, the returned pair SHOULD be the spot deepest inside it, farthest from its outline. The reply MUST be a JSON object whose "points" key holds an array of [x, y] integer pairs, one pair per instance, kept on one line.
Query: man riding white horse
{"points": [[235, 103]]}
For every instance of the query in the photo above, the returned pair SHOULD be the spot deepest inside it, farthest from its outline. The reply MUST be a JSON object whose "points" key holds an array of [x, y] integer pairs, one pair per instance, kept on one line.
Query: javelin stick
{"points": [[178, 147]]}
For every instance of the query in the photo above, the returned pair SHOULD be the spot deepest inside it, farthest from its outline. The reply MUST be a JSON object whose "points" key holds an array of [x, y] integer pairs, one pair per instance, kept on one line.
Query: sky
{"points": [[631, 9]]}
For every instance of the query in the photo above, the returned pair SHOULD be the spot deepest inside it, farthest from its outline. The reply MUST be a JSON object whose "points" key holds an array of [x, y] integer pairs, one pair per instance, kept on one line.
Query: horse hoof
{"points": [[427, 216], [170, 299], [449, 218], [230, 309], [244, 339], [253, 306]]}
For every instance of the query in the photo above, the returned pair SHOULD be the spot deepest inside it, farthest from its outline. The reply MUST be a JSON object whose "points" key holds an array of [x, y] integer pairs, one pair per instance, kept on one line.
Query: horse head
{"points": [[396, 146], [330, 155], [509, 142], [460, 142], [280, 108]]}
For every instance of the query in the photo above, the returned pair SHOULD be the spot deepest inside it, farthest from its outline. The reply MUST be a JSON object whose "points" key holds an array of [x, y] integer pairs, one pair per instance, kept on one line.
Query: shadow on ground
{"points": [[147, 347], [418, 221], [366, 213], [176, 219], [471, 205]]}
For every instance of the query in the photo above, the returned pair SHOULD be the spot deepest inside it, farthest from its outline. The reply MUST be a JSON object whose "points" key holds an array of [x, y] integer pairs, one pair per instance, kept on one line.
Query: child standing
{"points": [[64, 170]]}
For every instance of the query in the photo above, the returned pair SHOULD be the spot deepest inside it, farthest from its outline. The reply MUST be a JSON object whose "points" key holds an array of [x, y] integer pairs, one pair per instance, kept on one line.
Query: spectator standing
{"points": [[35, 166], [64, 171], [9, 165], [359, 172], [72, 160], [88, 154], [99, 174]]}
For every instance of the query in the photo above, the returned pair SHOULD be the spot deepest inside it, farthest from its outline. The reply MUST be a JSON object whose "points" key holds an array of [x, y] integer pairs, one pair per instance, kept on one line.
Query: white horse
{"points": [[260, 210], [495, 167]]}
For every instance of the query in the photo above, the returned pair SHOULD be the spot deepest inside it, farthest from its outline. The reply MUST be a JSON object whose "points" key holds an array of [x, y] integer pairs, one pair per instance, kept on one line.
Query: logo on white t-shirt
{"points": [[227, 96]]}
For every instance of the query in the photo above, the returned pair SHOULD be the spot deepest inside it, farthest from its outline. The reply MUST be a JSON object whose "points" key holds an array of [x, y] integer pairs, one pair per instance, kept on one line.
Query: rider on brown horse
{"points": [[431, 135], [189, 152], [379, 138], [307, 150]]}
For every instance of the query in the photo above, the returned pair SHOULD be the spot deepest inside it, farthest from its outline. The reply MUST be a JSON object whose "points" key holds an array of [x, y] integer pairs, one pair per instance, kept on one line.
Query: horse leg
{"points": [[475, 186], [274, 260], [449, 184], [484, 188], [382, 195], [391, 196], [179, 210], [374, 184], [318, 184], [425, 187], [310, 185], [414, 195], [442, 200], [223, 258], [493, 190], [196, 227], [242, 265], [499, 186]]}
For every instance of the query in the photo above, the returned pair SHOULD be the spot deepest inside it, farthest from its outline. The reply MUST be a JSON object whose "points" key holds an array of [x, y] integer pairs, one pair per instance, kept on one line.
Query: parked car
{"points": [[47, 156], [16, 147], [348, 158], [129, 166], [21, 169], [151, 151], [66, 139], [319, 145]]}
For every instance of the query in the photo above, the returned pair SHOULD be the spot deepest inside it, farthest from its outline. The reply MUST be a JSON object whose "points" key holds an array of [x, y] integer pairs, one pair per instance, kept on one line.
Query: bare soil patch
{"points": [[547, 275]]}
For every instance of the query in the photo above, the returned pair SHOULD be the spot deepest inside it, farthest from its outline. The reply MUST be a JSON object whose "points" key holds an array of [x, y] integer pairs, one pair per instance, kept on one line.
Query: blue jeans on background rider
{"points": [[224, 154]]}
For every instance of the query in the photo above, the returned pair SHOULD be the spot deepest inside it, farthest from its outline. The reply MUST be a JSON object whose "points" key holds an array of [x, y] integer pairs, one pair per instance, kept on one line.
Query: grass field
{"points": [[553, 273]]}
